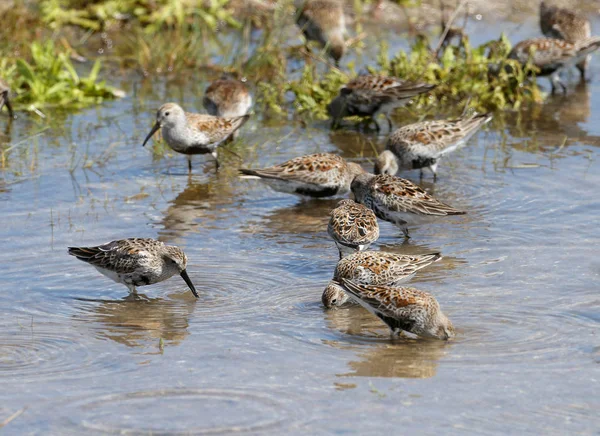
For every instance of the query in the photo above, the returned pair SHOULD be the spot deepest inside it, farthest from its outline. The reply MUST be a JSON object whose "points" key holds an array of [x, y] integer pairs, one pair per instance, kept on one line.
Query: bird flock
{"points": [[373, 279]]}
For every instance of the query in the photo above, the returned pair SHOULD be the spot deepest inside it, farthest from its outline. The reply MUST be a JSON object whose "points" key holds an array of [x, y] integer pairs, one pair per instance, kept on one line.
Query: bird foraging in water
{"points": [[398, 201], [352, 226], [371, 95], [561, 23], [551, 56], [422, 145], [4, 98], [374, 268], [190, 133], [136, 261], [403, 309], [315, 175], [323, 21]]}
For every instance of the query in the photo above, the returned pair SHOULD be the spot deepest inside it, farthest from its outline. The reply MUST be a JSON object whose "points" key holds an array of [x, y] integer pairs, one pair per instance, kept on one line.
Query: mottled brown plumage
{"points": [[227, 98], [323, 21], [397, 200], [352, 226], [136, 261], [315, 175], [402, 309]]}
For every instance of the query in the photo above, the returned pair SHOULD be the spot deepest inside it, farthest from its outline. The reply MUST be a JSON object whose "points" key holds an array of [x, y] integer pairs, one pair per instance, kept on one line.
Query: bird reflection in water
{"points": [[142, 321], [385, 357]]}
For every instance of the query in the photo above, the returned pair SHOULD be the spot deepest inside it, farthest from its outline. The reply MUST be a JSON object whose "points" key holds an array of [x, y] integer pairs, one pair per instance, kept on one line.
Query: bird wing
{"points": [[217, 129], [401, 195], [120, 256]]}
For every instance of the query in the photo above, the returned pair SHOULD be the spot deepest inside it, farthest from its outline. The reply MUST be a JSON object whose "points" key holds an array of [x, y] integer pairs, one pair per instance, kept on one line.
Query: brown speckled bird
{"points": [[403, 309], [190, 133], [550, 56], [397, 200], [352, 226], [374, 268], [136, 261], [315, 175], [422, 145], [323, 21], [227, 98], [371, 95], [561, 23]]}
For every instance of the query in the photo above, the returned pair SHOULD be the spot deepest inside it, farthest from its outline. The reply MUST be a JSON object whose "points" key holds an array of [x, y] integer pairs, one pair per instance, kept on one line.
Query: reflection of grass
{"points": [[50, 79]]}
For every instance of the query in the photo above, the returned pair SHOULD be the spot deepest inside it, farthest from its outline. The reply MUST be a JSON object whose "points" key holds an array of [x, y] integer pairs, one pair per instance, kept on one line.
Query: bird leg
{"points": [[555, 80], [189, 163], [387, 117], [217, 165]]}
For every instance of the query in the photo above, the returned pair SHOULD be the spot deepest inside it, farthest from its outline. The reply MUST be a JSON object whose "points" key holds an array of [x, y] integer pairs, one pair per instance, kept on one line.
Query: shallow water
{"points": [[257, 352]]}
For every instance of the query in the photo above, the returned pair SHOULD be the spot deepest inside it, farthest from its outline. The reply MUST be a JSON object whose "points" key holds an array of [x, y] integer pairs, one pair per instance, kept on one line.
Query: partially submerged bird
{"points": [[561, 23], [398, 200], [323, 21], [227, 98], [315, 175], [402, 309], [5, 98], [136, 261], [551, 56], [371, 95], [422, 145], [352, 226], [374, 268], [190, 133]]}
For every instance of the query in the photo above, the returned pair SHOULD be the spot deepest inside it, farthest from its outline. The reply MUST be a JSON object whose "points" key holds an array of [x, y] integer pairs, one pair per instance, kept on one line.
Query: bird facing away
{"points": [[315, 175], [566, 24], [398, 201], [136, 261], [550, 56], [323, 21], [374, 268], [370, 95], [4, 98], [421, 145], [190, 133], [352, 226], [227, 98], [403, 309]]}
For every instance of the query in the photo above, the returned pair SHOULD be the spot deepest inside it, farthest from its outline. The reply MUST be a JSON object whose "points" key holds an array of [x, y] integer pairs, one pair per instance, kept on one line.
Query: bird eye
{"points": [[167, 114], [334, 301]]}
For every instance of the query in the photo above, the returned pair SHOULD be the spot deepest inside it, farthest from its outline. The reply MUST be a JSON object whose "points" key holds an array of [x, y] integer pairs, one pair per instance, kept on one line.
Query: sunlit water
{"points": [[257, 352]]}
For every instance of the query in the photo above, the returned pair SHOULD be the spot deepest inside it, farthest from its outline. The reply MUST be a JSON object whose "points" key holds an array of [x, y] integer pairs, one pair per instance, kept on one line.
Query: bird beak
{"points": [[154, 129], [187, 280]]}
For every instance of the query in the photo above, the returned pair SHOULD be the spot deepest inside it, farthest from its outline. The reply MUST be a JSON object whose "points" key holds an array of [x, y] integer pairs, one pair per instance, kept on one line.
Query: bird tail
{"points": [[587, 46], [83, 253]]}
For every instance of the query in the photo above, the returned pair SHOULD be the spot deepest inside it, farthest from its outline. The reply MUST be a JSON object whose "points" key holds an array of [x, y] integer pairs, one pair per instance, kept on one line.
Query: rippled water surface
{"points": [[257, 352]]}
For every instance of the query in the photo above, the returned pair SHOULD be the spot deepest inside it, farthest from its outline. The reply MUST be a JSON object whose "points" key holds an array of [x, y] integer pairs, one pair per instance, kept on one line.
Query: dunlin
{"points": [[136, 261], [4, 98], [397, 200], [352, 226], [316, 175], [323, 21], [421, 145], [369, 96], [374, 268], [402, 309], [566, 24], [227, 98], [190, 133], [550, 56]]}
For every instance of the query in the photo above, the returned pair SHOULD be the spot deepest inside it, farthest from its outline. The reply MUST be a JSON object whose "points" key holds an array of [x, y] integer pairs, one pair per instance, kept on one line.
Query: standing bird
{"points": [[397, 200], [370, 95], [190, 133], [323, 21], [352, 226], [568, 25], [550, 56], [374, 268], [136, 261], [315, 175], [403, 309], [421, 145], [227, 98], [4, 98]]}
